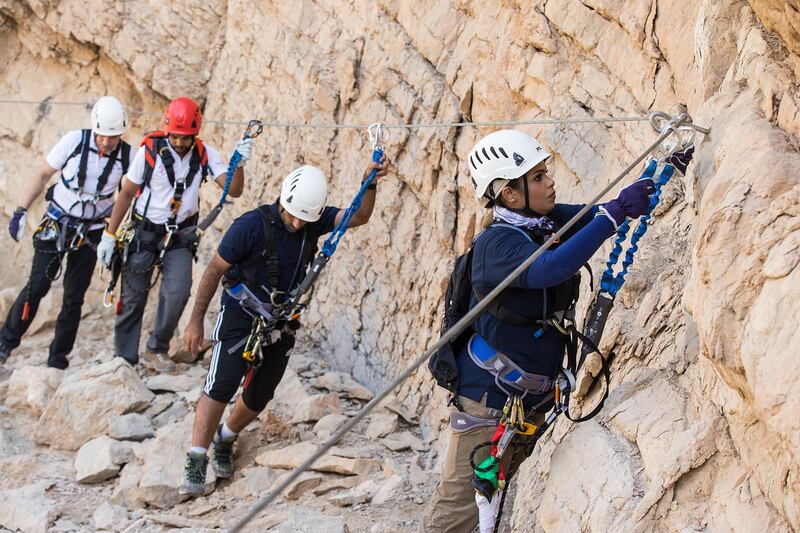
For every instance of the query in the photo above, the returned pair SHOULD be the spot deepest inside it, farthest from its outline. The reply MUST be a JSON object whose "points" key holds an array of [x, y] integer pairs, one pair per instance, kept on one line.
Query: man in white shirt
{"points": [[164, 184], [92, 163]]}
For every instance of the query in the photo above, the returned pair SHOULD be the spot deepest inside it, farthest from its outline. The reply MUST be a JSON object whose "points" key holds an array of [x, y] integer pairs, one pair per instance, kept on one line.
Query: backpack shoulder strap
{"points": [[83, 150], [126, 156], [270, 251], [152, 143]]}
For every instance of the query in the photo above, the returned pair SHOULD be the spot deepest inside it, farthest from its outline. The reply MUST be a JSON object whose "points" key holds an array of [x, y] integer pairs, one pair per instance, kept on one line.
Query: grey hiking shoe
{"points": [[194, 474], [222, 458], [159, 361]]}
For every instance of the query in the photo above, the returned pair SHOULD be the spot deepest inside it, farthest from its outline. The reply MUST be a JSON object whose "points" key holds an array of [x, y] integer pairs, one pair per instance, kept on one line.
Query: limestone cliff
{"points": [[701, 430]]}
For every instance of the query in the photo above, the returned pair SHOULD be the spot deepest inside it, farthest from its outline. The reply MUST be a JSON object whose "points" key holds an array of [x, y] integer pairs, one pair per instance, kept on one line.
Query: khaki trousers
{"points": [[452, 508]]}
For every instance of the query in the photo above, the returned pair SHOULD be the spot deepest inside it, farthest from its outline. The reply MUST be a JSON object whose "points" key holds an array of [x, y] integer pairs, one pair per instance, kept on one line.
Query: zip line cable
{"points": [[335, 126], [457, 328]]}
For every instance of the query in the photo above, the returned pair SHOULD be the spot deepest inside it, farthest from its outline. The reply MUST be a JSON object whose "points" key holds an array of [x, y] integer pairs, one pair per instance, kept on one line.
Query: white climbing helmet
{"points": [[304, 193], [503, 155], [109, 117]]}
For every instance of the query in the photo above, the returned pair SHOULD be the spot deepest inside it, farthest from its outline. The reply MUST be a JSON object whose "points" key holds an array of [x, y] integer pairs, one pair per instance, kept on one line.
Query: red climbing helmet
{"points": [[182, 117]]}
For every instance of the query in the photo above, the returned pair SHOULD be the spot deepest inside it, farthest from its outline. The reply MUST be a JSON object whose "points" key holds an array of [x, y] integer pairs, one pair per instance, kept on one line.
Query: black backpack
{"points": [[442, 363]]}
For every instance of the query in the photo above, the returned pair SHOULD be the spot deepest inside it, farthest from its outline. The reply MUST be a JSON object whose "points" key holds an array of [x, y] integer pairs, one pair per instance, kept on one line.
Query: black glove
{"points": [[680, 160]]}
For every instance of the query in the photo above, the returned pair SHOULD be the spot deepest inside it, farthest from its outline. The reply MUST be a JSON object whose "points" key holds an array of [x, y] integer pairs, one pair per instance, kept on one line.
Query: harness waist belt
{"points": [[152, 227], [59, 214], [461, 421], [503, 368]]}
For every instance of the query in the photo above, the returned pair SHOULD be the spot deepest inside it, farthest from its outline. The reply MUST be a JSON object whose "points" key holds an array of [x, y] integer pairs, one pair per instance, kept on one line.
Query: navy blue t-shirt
{"points": [[498, 250], [245, 239]]}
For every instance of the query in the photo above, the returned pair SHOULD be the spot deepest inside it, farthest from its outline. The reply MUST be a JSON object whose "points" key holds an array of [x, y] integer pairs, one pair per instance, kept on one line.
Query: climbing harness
{"points": [[273, 319], [449, 335], [254, 129], [680, 138], [137, 233], [76, 184]]}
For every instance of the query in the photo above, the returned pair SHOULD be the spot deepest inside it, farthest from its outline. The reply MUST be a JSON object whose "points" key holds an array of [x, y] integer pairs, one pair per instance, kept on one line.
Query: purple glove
{"points": [[16, 226], [680, 160], [632, 201]]}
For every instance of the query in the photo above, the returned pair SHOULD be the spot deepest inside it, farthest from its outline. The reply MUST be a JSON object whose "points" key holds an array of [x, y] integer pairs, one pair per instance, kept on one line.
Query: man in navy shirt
{"points": [[267, 249], [510, 175]]}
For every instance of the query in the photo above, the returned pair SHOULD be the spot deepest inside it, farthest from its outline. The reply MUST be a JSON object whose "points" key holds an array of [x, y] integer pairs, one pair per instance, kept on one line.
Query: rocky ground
{"points": [[101, 447]]}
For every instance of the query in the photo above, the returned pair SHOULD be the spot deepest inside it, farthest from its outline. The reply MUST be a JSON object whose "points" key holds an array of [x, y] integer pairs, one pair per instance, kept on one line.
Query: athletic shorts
{"points": [[228, 368]]}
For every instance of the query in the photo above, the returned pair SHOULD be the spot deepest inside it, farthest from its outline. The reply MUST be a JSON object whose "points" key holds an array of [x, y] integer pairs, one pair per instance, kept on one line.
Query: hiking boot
{"points": [[222, 458], [194, 474], [159, 361], [5, 351]]}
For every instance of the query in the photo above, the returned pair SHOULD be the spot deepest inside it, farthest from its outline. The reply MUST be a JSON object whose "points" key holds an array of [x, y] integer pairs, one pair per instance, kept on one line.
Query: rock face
{"points": [[85, 400], [701, 428]]}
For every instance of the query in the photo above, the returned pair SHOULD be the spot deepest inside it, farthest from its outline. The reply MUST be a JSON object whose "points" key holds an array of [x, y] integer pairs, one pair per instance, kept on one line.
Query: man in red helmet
{"points": [[164, 185]]}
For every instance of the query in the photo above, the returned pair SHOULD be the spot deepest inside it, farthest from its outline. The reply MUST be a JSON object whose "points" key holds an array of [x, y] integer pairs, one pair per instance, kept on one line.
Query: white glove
{"points": [[105, 250], [245, 149]]}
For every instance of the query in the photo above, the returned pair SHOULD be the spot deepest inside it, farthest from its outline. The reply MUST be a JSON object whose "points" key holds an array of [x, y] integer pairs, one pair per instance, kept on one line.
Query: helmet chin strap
{"points": [[527, 210]]}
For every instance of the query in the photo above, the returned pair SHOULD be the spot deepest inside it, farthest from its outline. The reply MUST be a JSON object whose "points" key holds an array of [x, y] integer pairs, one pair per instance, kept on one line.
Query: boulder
{"points": [[403, 440], [392, 467], [111, 517], [126, 492], [101, 459], [164, 460], [288, 457], [345, 384], [346, 465], [27, 509], [328, 425], [303, 484], [359, 494], [293, 456], [169, 383], [317, 406], [84, 401], [388, 490], [254, 480], [305, 520], [290, 390], [338, 483], [31, 388], [381, 424], [133, 426], [174, 413]]}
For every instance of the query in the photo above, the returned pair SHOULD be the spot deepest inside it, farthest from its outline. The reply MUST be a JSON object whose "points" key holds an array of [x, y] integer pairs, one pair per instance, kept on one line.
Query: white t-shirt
{"points": [[68, 199], [162, 191]]}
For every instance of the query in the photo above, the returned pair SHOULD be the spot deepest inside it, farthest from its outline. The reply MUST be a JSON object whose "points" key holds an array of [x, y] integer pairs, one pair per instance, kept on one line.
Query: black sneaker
{"points": [[194, 474], [5, 351], [222, 458]]}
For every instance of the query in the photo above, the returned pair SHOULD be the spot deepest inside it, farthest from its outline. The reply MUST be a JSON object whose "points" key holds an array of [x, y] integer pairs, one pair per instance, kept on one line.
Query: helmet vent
{"points": [[485, 154], [518, 159], [491, 149], [502, 152], [478, 157], [472, 162]]}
